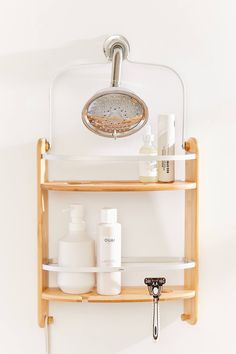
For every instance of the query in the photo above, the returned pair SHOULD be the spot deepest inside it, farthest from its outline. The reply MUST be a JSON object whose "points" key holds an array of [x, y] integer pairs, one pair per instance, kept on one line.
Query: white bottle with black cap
{"points": [[76, 250], [166, 146], [109, 252]]}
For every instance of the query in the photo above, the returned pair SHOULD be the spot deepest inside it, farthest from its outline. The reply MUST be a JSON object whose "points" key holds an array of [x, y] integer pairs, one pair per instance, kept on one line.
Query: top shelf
{"points": [[118, 158]]}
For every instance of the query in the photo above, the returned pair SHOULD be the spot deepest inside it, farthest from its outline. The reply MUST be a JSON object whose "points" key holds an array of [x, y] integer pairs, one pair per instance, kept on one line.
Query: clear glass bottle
{"points": [[148, 169]]}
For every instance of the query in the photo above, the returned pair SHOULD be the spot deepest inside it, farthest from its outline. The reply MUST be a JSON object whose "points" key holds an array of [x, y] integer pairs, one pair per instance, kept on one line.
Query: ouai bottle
{"points": [[109, 252]]}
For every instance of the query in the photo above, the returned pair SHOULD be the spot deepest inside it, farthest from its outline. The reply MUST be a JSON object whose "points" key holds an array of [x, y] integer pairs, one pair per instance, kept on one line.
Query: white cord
{"points": [[47, 336]]}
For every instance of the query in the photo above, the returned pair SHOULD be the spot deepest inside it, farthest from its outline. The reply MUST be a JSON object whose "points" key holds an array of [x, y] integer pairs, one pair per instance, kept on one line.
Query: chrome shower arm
{"points": [[117, 59]]}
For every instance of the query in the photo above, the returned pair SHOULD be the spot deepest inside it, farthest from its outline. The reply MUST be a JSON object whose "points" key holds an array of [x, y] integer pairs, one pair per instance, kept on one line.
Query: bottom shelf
{"points": [[128, 294]]}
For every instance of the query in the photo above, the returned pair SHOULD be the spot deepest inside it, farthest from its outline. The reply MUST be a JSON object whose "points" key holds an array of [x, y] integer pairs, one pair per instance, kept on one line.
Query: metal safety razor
{"points": [[155, 288]]}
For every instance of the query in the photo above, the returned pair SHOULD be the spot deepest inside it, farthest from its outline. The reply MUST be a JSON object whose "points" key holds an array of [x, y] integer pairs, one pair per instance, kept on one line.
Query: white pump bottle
{"points": [[76, 250]]}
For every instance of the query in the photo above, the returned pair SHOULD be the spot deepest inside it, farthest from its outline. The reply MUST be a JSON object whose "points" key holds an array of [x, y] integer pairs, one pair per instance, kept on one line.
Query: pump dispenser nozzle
{"points": [[148, 137], [76, 211], [77, 222]]}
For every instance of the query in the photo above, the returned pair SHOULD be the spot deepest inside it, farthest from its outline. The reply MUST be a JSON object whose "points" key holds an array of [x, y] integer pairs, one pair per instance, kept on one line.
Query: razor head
{"points": [[155, 286]]}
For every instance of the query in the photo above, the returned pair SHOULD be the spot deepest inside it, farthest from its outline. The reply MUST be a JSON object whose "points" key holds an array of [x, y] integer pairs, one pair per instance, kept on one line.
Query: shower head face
{"points": [[115, 113]]}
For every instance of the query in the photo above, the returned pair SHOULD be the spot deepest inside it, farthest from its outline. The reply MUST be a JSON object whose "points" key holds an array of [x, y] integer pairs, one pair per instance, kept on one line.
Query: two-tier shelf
{"points": [[188, 292]]}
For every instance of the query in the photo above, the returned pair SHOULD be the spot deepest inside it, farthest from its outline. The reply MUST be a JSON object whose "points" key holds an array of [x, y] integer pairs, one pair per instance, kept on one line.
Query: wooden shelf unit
{"points": [[188, 293]]}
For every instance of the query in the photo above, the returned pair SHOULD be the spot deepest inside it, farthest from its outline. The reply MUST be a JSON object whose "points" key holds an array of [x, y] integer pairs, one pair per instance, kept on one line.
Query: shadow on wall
{"points": [[24, 82], [25, 79], [44, 62], [18, 223], [106, 323], [107, 328]]}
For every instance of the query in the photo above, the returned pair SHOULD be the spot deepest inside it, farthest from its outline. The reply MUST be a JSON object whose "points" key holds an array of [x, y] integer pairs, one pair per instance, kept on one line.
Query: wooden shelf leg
{"points": [[42, 176], [191, 234]]}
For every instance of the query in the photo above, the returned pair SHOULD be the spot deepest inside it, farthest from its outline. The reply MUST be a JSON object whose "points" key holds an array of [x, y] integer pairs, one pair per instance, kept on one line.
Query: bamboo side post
{"points": [[191, 233], [42, 176]]}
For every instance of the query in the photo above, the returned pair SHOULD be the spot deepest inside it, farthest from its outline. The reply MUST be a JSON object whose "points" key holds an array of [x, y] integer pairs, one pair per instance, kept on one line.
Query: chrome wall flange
{"points": [[113, 41]]}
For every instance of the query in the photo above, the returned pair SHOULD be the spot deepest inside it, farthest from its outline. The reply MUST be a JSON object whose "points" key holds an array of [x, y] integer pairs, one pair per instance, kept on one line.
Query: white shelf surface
{"points": [[119, 158], [129, 264]]}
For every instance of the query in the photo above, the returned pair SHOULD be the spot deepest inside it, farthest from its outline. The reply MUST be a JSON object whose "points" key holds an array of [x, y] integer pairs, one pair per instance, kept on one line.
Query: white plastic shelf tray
{"points": [[119, 158], [132, 264]]}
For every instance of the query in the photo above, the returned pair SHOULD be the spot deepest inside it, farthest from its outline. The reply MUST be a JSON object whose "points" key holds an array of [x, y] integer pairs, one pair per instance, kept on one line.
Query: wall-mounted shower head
{"points": [[115, 112]]}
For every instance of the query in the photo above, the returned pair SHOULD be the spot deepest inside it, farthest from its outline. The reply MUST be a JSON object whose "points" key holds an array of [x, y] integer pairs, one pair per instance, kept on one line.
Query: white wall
{"points": [[198, 39]]}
